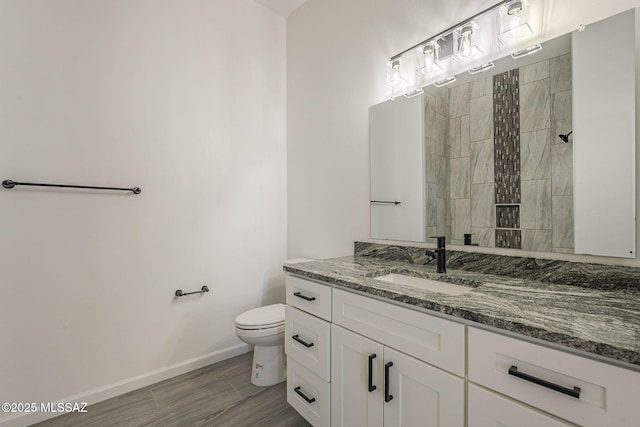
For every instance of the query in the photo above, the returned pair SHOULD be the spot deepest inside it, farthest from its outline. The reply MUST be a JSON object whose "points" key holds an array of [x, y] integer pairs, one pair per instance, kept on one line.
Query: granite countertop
{"points": [[602, 322]]}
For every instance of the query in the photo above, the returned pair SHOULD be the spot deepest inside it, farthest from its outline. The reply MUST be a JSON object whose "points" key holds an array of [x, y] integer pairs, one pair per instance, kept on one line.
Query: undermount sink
{"points": [[426, 284]]}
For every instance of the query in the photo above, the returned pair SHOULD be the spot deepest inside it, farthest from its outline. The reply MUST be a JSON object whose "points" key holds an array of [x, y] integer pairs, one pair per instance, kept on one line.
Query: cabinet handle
{"points": [[387, 397], [306, 344], [304, 396], [304, 297], [575, 392], [371, 386]]}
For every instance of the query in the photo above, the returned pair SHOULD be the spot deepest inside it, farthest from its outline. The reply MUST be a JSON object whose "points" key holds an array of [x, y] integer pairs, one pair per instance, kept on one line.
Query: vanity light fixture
{"points": [[526, 51], [445, 82], [448, 52], [480, 68]]}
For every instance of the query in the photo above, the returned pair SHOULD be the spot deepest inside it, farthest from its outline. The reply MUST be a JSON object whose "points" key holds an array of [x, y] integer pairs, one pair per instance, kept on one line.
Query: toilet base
{"points": [[269, 365]]}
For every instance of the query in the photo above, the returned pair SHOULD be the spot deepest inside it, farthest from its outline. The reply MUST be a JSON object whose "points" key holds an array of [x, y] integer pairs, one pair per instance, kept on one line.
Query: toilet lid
{"points": [[269, 315]]}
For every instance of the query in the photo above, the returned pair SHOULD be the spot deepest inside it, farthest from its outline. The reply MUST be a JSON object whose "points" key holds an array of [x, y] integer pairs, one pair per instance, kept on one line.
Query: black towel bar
{"points": [[179, 292], [7, 183]]}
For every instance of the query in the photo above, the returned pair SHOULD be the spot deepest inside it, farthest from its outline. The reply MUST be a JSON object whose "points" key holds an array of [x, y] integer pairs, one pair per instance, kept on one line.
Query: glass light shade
{"points": [[514, 21], [428, 58], [465, 41], [396, 74]]}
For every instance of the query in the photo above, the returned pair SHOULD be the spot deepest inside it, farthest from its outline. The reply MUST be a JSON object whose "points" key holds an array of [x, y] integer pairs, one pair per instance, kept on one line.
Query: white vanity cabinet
{"points": [[375, 384], [354, 360]]}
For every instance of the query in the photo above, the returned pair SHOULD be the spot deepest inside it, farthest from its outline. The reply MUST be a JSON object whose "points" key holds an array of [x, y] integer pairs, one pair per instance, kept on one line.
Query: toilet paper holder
{"points": [[202, 290]]}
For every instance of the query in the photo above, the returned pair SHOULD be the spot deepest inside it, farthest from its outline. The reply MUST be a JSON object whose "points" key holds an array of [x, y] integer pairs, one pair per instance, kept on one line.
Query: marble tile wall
{"points": [[459, 162], [502, 168], [535, 116], [437, 161], [561, 154], [481, 134]]}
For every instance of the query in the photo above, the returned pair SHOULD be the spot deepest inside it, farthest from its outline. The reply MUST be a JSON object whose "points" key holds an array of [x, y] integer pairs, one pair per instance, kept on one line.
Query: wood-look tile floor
{"points": [[217, 395]]}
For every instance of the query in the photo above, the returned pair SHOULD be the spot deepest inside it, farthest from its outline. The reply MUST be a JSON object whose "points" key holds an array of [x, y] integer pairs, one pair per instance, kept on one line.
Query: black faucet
{"points": [[439, 254]]}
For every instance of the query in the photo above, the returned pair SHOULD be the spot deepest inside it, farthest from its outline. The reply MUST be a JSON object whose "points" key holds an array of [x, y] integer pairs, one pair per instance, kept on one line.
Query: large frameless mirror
{"points": [[538, 153]]}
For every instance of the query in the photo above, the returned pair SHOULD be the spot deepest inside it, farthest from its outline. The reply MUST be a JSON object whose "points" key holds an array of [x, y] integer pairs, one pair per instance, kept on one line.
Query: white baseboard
{"points": [[116, 389]]}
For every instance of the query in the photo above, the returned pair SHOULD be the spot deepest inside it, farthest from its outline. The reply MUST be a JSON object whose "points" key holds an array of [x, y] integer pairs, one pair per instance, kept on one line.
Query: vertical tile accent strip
{"points": [[506, 149], [508, 216], [509, 239], [506, 125]]}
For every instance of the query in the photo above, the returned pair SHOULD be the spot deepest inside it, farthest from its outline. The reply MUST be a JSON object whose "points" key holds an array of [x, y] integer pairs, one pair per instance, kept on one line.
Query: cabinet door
{"points": [[352, 404], [422, 395]]}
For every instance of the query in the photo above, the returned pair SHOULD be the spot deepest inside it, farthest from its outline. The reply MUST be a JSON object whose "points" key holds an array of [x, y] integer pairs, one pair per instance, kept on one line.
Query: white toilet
{"points": [[263, 327]]}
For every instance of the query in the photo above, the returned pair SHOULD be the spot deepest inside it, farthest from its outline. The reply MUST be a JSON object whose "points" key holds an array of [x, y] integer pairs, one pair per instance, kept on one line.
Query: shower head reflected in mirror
{"points": [[565, 138]]}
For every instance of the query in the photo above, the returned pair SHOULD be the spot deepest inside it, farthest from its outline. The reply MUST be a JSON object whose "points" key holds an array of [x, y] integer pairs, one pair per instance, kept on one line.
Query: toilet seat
{"points": [[269, 316], [259, 327]]}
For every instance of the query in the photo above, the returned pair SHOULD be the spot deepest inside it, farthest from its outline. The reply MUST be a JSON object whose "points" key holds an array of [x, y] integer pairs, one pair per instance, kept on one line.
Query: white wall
{"points": [[336, 53], [185, 99]]}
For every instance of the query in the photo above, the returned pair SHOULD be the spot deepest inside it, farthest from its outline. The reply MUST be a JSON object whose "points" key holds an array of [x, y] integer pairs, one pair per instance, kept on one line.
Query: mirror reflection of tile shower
{"points": [[493, 164]]}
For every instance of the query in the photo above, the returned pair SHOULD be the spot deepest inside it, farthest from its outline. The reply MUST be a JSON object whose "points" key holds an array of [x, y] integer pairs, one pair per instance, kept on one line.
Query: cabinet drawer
{"points": [[487, 409], [309, 296], [308, 394], [428, 338], [608, 395], [307, 340]]}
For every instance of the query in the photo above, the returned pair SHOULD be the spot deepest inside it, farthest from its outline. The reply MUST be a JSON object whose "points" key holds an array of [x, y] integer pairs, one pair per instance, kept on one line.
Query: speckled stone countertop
{"points": [[603, 322]]}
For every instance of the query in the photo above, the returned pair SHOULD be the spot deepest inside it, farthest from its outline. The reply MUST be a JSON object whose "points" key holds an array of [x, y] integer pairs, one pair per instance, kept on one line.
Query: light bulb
{"points": [[395, 66], [428, 58], [464, 42]]}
